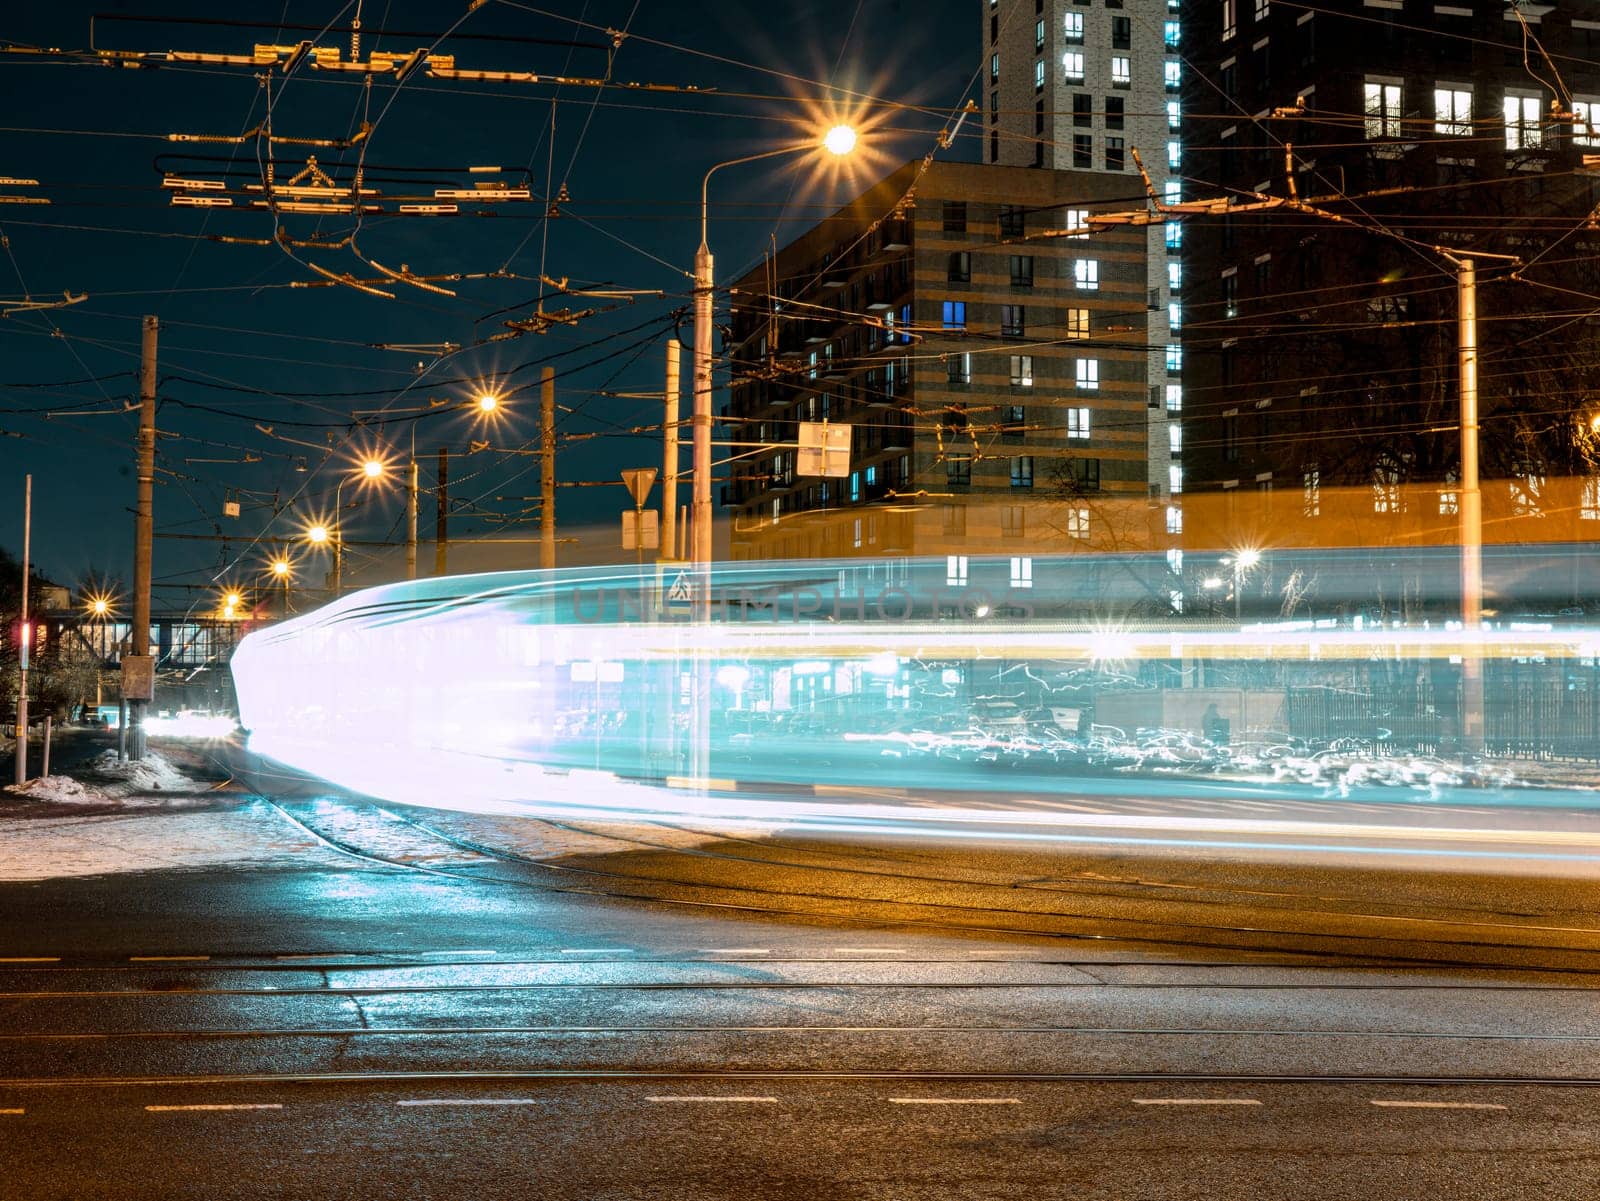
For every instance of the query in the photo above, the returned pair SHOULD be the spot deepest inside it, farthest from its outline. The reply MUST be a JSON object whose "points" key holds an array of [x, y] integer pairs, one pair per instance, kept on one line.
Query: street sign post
{"points": [[824, 450]]}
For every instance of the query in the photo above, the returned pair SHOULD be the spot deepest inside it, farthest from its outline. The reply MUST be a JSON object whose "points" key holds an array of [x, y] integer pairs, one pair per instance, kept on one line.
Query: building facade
{"points": [[1321, 379], [1086, 85], [991, 370]]}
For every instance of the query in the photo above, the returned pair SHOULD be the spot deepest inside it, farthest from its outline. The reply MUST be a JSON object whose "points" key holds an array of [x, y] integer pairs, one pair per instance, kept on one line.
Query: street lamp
{"points": [[1242, 561], [282, 569], [839, 141], [321, 533]]}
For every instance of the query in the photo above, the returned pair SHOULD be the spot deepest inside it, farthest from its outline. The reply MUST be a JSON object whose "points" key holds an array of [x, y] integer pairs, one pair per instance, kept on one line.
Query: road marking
{"points": [[447, 954], [597, 950], [1437, 1105], [954, 1101], [13, 1111], [32, 959], [473, 1101], [870, 950], [187, 1108], [168, 958], [719, 1100], [734, 951], [1194, 1101]]}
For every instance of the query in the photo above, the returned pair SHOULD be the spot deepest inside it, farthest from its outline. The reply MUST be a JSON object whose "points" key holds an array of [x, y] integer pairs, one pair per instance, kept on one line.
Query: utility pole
{"points": [[1469, 509], [144, 530], [26, 636], [441, 528], [411, 518], [669, 455], [700, 511], [547, 468]]}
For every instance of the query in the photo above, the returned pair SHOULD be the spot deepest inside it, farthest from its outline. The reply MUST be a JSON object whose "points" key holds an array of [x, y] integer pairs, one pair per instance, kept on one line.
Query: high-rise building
{"points": [[1083, 85], [1322, 393], [991, 371]]}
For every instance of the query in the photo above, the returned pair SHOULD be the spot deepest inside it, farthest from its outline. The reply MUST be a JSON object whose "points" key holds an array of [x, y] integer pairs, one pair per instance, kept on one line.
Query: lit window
{"points": [[1121, 70], [1382, 107], [1077, 323], [1174, 235], [1086, 274], [1172, 191], [1072, 27], [1077, 523], [1261, 9], [1311, 498], [955, 314], [1174, 357], [1078, 424], [1072, 66], [1022, 471], [1586, 126], [1174, 315], [1088, 375], [1386, 488], [1171, 31], [1230, 19], [855, 485], [1175, 439], [958, 369], [1175, 276], [1077, 219], [1589, 505], [1175, 479], [1022, 371], [1174, 398], [1175, 522], [1038, 75], [1173, 73], [1452, 111], [1021, 572], [1174, 154], [1523, 130], [955, 571], [1038, 34], [1174, 114], [994, 68]]}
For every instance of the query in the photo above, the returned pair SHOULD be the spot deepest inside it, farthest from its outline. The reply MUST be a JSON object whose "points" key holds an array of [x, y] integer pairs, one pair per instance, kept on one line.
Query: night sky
{"points": [[270, 391]]}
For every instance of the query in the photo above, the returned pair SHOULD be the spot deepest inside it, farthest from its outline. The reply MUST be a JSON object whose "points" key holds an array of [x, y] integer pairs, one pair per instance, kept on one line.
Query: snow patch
{"points": [[104, 780]]}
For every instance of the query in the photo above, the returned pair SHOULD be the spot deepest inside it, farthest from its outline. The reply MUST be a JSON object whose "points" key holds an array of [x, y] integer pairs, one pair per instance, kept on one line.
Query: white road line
{"points": [[734, 951], [32, 959], [452, 954], [473, 1101], [1194, 1101], [954, 1101], [168, 958], [189, 1108], [13, 1111], [719, 1100], [1437, 1105], [870, 950], [597, 950]]}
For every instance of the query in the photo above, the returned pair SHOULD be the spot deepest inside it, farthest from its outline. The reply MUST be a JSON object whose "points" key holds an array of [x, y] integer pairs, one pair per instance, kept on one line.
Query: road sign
{"points": [[824, 450], [639, 480], [138, 678], [631, 532], [680, 593]]}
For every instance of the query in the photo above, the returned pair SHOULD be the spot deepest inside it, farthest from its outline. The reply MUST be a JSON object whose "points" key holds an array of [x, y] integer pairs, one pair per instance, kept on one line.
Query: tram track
{"points": [[1373, 949]]}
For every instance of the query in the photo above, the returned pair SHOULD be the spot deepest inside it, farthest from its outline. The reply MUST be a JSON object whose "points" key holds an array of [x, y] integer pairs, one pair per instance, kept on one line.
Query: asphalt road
{"points": [[454, 1015]]}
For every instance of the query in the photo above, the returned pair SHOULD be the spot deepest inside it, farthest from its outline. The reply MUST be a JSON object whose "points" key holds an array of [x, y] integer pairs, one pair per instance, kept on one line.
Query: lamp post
{"points": [[839, 141], [322, 533], [1243, 561], [282, 571]]}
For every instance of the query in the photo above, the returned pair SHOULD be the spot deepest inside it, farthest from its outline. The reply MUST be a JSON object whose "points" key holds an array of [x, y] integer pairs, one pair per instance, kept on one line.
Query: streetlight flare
{"points": [[372, 468], [488, 403], [840, 140], [317, 534], [280, 567]]}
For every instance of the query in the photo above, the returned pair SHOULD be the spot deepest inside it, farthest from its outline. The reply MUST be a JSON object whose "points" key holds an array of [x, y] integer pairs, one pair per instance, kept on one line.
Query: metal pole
{"points": [[144, 523], [338, 539], [44, 761], [547, 468], [26, 635], [700, 519], [669, 455], [441, 529], [411, 520], [1470, 511]]}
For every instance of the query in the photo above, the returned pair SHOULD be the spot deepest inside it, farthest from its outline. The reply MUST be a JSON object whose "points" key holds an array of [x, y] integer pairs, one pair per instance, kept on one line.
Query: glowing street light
{"points": [[488, 403], [840, 140]]}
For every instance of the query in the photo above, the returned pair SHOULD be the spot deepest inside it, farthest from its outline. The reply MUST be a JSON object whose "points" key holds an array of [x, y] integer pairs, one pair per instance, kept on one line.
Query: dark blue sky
{"points": [[244, 352]]}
